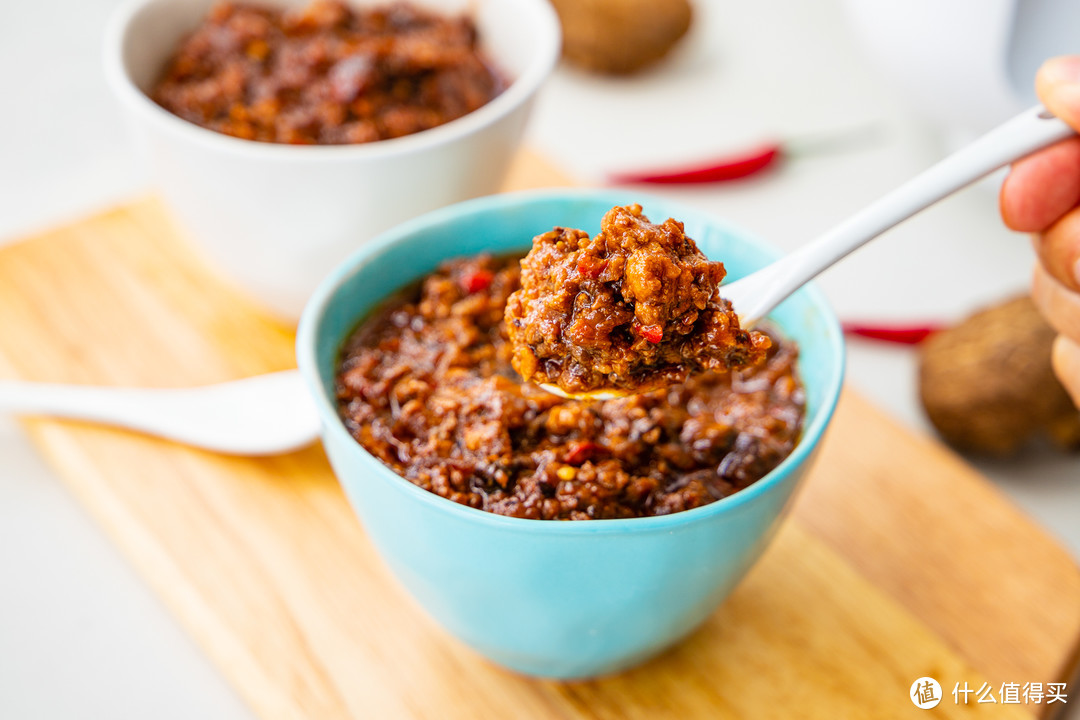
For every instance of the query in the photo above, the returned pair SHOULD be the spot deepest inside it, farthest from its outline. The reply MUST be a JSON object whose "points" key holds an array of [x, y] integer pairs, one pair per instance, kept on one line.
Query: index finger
{"points": [[1041, 188]]}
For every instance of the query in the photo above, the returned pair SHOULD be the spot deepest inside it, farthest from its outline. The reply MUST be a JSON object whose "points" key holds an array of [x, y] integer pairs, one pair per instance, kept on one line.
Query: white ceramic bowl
{"points": [[277, 218]]}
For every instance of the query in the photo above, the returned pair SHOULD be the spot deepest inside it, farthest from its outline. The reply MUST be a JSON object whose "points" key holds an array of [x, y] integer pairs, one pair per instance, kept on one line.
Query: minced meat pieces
{"points": [[426, 385], [634, 308], [326, 74]]}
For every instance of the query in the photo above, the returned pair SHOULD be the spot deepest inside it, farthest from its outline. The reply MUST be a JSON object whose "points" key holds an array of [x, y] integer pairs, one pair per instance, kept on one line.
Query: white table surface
{"points": [[81, 636]]}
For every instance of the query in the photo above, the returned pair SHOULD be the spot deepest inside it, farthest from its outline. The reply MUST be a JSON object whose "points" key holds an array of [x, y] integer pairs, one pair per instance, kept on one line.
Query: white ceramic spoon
{"points": [[261, 415], [754, 296]]}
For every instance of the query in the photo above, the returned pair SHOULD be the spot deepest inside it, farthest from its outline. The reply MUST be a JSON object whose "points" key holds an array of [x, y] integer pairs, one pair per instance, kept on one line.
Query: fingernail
{"points": [[1064, 69]]}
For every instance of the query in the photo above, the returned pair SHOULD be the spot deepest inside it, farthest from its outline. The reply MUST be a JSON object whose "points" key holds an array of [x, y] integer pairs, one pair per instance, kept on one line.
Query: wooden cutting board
{"points": [[898, 561]]}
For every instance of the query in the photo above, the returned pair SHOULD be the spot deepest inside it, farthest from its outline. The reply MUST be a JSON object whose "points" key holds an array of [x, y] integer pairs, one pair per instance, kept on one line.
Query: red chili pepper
{"points": [[734, 167], [900, 334], [591, 270], [652, 333], [582, 450], [477, 281], [756, 160]]}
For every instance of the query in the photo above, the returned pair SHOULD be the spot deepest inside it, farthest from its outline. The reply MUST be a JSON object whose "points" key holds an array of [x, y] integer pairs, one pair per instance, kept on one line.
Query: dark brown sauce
{"points": [[327, 74], [426, 385]]}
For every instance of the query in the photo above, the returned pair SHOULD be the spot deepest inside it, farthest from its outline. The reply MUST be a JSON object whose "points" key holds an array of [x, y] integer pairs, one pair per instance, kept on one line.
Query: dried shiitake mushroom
{"points": [[988, 386], [620, 36]]}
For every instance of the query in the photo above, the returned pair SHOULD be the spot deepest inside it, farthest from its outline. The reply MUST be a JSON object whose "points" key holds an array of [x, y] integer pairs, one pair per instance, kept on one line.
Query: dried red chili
{"points": [[730, 168], [477, 281], [899, 334]]}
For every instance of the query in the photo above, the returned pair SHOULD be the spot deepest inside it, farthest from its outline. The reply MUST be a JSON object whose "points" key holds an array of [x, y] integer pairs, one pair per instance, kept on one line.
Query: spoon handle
{"points": [[260, 415], [756, 295], [116, 406]]}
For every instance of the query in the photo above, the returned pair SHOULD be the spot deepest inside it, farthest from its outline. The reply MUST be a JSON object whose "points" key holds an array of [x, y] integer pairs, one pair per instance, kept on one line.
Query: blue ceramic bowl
{"points": [[550, 598]]}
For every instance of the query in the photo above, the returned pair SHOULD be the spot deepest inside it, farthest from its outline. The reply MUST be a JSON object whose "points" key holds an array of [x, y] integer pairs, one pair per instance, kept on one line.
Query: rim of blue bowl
{"points": [[307, 334]]}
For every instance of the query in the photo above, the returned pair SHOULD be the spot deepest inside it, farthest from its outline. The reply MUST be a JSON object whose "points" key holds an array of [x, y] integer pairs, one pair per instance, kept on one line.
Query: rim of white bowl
{"points": [[541, 18], [314, 311]]}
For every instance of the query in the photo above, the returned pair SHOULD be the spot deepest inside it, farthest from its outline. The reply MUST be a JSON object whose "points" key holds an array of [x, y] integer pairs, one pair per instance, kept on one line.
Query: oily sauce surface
{"points": [[426, 385], [327, 74]]}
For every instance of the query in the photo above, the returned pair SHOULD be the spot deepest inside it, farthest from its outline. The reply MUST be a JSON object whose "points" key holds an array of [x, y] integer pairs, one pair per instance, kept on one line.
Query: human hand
{"points": [[1041, 195]]}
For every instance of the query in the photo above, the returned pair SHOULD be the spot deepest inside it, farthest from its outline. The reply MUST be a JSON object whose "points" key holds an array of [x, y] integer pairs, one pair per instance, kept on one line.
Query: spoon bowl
{"points": [[592, 395]]}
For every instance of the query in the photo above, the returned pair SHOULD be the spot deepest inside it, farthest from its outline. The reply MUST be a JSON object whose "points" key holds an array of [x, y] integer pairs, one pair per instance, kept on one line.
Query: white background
{"points": [[81, 636]]}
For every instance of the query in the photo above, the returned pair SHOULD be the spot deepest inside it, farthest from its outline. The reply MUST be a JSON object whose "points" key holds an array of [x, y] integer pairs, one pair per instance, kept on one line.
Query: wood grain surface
{"points": [[898, 561]]}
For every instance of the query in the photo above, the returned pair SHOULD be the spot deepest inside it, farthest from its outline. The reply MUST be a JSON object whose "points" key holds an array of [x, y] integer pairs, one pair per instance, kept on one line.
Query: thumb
{"points": [[1058, 86], [1066, 360]]}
